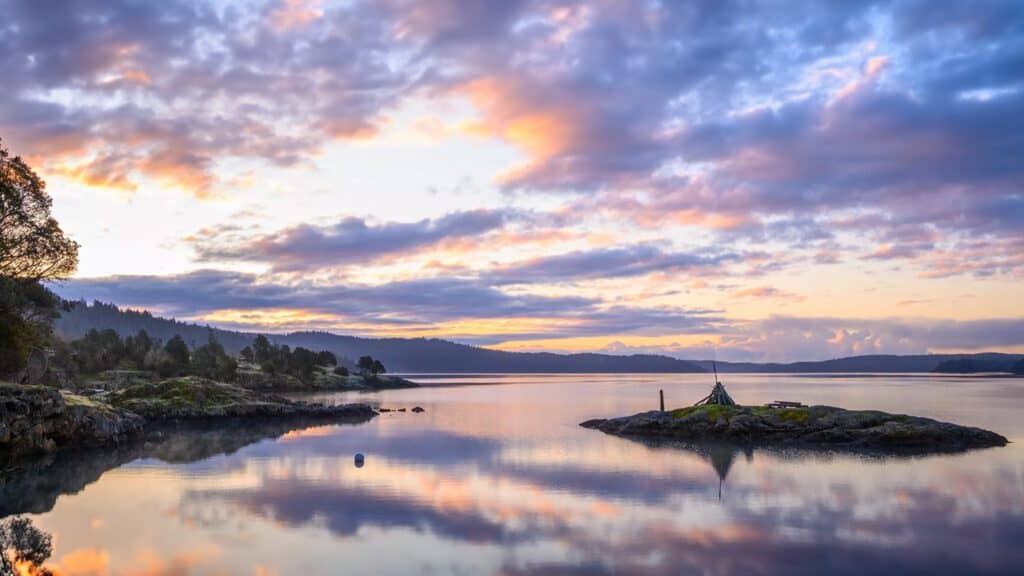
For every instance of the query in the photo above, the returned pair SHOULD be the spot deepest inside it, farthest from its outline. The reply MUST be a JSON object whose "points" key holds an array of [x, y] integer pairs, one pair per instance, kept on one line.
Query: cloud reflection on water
{"points": [[620, 521]]}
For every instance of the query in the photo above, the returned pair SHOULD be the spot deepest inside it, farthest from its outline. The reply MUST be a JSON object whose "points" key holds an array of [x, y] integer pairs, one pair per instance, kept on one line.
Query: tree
{"points": [[326, 358], [377, 368], [177, 353], [365, 365], [247, 355], [138, 347], [370, 367], [23, 545], [33, 248], [303, 362], [262, 350], [211, 361], [32, 245], [27, 309]]}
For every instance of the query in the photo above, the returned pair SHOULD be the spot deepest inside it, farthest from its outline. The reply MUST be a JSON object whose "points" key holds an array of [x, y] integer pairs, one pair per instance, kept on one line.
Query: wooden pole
{"points": [[661, 394]]}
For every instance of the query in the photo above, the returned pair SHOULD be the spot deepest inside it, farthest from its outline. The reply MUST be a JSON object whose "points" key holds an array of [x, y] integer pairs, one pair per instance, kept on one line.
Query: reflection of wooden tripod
{"points": [[722, 457]]}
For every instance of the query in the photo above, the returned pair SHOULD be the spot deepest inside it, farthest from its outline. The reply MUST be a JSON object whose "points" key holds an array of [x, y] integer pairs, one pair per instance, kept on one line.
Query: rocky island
{"points": [[718, 418], [39, 419]]}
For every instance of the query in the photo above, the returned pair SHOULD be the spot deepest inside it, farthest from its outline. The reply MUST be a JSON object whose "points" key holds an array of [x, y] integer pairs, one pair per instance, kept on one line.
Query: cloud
{"points": [[346, 242], [683, 113], [780, 338], [766, 292], [452, 305], [614, 262], [168, 90]]}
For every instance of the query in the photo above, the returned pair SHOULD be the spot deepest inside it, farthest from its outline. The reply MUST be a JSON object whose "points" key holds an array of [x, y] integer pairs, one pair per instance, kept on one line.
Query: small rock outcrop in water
{"points": [[808, 427]]}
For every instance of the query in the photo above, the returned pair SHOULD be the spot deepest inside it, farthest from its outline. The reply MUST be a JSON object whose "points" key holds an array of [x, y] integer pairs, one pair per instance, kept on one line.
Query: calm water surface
{"points": [[499, 479]]}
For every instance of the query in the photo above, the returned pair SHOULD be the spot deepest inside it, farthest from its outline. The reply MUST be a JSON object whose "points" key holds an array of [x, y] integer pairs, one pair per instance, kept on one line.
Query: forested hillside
{"points": [[399, 354]]}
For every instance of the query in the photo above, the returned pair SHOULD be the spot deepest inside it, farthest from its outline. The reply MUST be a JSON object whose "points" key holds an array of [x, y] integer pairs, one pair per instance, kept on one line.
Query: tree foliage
{"points": [[27, 309], [300, 362], [369, 366], [33, 248], [101, 350], [32, 245], [23, 548], [211, 361]]}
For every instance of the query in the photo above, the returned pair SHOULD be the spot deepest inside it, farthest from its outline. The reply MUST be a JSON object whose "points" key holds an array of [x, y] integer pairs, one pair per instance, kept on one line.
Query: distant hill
{"points": [[398, 354], [435, 355], [948, 363]]}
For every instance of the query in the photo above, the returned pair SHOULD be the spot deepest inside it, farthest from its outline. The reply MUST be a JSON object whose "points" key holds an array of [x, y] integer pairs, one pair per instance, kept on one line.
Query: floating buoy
{"points": [[359, 459]]}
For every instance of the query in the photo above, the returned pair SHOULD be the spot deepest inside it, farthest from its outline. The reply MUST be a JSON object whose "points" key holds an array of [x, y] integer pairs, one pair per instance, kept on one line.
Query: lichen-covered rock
{"points": [[37, 419], [192, 397], [813, 426], [256, 379], [117, 379]]}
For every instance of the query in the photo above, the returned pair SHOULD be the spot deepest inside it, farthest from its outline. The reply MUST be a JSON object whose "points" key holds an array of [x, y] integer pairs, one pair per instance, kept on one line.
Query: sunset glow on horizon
{"points": [[742, 181]]}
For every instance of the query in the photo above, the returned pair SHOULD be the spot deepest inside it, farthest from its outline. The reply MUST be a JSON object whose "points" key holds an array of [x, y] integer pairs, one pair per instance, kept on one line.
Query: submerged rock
{"points": [[811, 426]]}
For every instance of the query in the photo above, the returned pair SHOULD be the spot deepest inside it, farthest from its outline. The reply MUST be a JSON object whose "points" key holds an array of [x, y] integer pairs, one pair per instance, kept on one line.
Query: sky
{"points": [[743, 180]]}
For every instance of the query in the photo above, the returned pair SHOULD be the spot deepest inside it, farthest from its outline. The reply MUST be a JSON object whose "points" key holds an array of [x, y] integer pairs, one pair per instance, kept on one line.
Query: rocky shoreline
{"points": [[40, 419], [810, 427]]}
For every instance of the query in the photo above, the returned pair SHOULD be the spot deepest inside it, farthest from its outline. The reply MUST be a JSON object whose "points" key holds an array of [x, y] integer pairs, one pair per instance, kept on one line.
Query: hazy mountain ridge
{"points": [[945, 363], [398, 354], [436, 355]]}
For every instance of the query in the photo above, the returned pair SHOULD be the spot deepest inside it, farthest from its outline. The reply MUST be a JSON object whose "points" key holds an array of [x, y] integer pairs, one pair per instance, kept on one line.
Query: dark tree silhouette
{"points": [[33, 248], [211, 361], [32, 245], [22, 543], [368, 366], [365, 365], [177, 350]]}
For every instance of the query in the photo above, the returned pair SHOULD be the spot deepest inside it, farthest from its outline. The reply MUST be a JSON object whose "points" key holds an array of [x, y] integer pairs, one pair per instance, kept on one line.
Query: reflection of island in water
{"points": [[32, 486], [722, 455]]}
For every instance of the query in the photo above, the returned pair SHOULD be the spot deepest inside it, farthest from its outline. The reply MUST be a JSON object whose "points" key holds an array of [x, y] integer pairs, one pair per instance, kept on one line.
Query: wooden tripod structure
{"points": [[718, 395]]}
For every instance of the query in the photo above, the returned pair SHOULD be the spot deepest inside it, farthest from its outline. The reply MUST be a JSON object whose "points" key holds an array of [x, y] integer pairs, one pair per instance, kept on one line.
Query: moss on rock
{"points": [[805, 426]]}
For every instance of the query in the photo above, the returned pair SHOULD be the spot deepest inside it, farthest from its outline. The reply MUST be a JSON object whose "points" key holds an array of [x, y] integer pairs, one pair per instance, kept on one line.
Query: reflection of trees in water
{"points": [[23, 545], [31, 486]]}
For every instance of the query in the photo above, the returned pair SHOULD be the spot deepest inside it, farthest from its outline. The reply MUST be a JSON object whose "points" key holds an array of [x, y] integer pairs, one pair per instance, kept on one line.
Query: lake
{"points": [[496, 477]]}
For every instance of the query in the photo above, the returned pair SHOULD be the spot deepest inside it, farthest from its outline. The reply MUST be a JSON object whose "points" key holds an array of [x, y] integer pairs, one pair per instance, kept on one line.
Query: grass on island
{"points": [[181, 392], [795, 415]]}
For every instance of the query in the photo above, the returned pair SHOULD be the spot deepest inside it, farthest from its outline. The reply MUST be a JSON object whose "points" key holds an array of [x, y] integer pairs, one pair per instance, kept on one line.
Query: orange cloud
{"points": [[540, 130], [767, 292], [295, 14]]}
